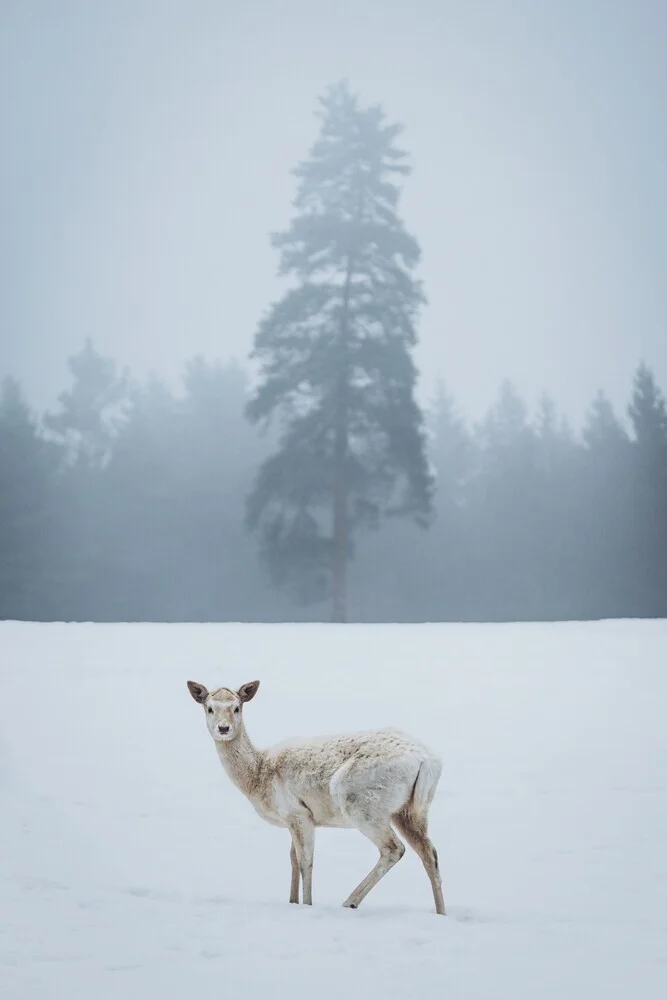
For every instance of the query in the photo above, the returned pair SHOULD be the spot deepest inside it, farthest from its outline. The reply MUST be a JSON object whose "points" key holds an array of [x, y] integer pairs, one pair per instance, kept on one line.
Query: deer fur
{"points": [[377, 782]]}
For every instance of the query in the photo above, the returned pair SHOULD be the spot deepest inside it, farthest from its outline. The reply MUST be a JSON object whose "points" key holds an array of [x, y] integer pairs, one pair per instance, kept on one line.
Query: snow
{"points": [[130, 867]]}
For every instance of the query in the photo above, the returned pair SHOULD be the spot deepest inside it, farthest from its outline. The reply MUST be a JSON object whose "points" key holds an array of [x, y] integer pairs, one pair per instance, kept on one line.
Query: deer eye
{"points": [[236, 709], [210, 710]]}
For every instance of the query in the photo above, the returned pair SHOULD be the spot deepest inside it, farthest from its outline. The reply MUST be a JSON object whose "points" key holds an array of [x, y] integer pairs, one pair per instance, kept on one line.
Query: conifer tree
{"points": [[27, 468], [336, 364], [648, 413], [602, 431], [451, 449], [90, 410]]}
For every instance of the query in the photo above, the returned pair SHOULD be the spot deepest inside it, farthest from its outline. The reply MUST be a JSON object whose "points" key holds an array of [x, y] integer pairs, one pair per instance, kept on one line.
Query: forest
{"points": [[128, 503]]}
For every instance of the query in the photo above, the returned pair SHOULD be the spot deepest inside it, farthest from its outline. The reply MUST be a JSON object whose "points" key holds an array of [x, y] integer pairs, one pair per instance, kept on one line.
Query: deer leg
{"points": [[391, 851], [296, 876], [414, 831], [303, 842]]}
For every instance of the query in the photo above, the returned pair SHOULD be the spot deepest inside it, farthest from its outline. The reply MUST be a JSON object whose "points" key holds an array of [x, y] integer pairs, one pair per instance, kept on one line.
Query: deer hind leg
{"points": [[414, 829], [296, 876], [303, 848], [391, 851]]}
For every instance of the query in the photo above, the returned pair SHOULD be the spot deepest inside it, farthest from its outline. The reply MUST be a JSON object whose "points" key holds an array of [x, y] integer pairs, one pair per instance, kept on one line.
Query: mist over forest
{"points": [[128, 502], [311, 483]]}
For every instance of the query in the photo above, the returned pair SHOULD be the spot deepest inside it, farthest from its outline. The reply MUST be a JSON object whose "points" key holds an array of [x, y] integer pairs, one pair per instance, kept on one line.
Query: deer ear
{"points": [[248, 691], [198, 691]]}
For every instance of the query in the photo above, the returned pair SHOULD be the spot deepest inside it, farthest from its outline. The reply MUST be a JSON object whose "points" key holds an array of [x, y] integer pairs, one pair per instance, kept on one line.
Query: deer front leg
{"points": [[303, 843], [296, 875]]}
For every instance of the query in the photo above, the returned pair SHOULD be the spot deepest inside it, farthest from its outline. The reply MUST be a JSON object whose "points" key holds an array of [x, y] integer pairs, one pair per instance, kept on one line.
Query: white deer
{"points": [[370, 781]]}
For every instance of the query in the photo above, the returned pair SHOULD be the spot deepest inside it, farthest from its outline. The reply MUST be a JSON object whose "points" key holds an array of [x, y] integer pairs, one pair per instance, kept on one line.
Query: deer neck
{"points": [[242, 761]]}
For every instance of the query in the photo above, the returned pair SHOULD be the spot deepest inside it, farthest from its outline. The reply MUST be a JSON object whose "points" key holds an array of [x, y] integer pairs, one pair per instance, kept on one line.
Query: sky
{"points": [[146, 158]]}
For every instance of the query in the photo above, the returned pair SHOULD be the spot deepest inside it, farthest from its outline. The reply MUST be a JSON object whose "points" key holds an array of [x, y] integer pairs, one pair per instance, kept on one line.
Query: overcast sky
{"points": [[146, 156]]}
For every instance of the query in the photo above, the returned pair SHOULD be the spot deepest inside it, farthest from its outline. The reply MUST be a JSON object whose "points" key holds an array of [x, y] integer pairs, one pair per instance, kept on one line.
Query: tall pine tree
{"points": [[85, 425], [27, 531], [336, 359], [90, 411], [605, 567], [648, 413]]}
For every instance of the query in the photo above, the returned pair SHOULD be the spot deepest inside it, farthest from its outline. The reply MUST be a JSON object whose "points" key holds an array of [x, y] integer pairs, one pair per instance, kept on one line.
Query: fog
{"points": [[147, 150], [148, 155]]}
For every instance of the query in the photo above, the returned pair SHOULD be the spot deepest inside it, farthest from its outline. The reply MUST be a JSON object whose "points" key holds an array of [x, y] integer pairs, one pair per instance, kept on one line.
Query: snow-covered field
{"points": [[130, 867]]}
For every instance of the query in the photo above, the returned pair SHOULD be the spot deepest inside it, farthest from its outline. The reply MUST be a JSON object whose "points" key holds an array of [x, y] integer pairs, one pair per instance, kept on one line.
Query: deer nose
{"points": [[223, 729]]}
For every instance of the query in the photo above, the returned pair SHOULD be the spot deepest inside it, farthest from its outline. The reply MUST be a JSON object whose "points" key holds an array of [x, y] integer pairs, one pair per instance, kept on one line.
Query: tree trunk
{"points": [[340, 529], [340, 511]]}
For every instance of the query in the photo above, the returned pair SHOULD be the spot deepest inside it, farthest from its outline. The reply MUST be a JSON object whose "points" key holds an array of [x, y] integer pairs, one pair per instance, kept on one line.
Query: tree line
{"points": [[130, 502], [325, 485]]}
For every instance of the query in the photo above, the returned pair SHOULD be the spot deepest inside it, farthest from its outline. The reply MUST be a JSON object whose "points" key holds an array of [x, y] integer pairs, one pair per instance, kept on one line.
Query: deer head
{"points": [[223, 708]]}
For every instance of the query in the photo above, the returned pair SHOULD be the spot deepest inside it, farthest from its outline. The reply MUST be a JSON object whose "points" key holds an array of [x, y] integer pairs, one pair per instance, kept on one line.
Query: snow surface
{"points": [[130, 867]]}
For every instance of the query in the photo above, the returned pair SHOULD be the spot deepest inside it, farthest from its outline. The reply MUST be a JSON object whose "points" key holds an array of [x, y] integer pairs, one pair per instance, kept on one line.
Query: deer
{"points": [[377, 782]]}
